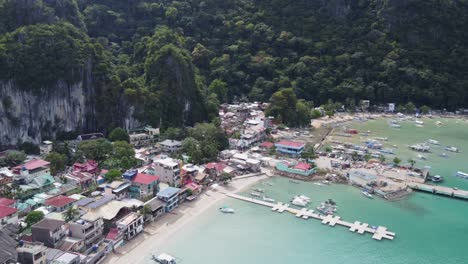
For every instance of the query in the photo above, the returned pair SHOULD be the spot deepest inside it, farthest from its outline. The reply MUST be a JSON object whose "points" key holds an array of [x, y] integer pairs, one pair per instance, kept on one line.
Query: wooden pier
{"points": [[331, 220], [440, 190]]}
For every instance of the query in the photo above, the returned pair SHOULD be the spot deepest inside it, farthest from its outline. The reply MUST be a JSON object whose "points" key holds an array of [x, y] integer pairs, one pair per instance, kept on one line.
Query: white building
{"points": [[131, 225], [168, 170], [171, 145], [89, 231]]}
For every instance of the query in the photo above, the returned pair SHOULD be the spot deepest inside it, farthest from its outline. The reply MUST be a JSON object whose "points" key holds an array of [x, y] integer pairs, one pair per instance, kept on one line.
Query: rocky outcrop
{"points": [[25, 116]]}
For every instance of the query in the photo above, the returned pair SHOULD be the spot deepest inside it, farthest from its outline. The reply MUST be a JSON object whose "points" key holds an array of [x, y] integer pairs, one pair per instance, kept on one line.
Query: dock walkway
{"points": [[437, 189], [304, 213]]}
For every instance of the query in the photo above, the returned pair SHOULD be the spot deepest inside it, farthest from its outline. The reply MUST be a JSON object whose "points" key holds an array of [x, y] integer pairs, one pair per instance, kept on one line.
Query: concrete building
{"points": [[130, 225], [170, 196], [167, 169], [7, 248], [46, 147], [48, 231], [292, 148], [89, 231], [143, 137], [171, 145], [8, 215], [31, 253], [59, 203], [142, 185], [157, 208], [61, 257], [27, 171]]}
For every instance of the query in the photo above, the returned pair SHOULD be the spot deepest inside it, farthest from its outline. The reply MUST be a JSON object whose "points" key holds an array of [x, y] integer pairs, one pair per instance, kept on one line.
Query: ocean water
{"points": [[429, 229]]}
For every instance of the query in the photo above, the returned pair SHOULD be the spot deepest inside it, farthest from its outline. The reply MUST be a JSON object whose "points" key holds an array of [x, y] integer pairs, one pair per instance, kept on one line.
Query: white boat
{"points": [[303, 197], [394, 146], [418, 125], [444, 155], [452, 149], [421, 157], [433, 142], [256, 194], [164, 259], [318, 183], [395, 125], [326, 182], [365, 193], [419, 122], [266, 199], [299, 202], [226, 210], [259, 190], [294, 181], [461, 174]]}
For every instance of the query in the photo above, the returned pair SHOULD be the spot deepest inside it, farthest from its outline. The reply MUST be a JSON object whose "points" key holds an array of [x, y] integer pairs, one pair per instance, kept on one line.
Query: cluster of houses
{"points": [[84, 226]]}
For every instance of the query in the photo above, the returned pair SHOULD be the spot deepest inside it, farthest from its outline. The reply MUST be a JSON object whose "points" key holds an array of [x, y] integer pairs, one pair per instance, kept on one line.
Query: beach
{"points": [[158, 232]]}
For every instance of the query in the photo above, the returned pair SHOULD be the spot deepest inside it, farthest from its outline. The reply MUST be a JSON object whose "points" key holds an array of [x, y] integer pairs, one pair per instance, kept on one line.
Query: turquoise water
{"points": [[429, 229]]}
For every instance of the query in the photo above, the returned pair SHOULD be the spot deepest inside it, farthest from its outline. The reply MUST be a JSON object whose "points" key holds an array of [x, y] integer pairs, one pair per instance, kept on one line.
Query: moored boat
{"points": [[299, 202], [164, 259], [256, 194], [226, 210], [452, 149], [461, 174], [267, 199], [433, 142], [367, 194], [259, 190], [436, 178]]}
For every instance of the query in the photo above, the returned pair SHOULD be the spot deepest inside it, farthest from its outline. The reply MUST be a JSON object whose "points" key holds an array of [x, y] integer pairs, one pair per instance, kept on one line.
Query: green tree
{"points": [[34, 217], [315, 114], [112, 175], [119, 134], [412, 162], [12, 158], [57, 162], [425, 109], [29, 148], [225, 177], [219, 88], [410, 108], [98, 149], [146, 211], [309, 152], [396, 161], [172, 133], [70, 214]]}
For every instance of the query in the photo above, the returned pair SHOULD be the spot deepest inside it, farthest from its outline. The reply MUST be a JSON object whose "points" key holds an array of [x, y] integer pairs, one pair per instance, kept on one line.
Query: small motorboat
{"points": [[421, 157], [433, 142], [227, 210], [444, 155], [303, 197], [267, 199], [256, 194], [259, 190], [452, 149], [367, 194], [326, 182], [437, 178], [164, 259], [318, 183], [294, 181]]}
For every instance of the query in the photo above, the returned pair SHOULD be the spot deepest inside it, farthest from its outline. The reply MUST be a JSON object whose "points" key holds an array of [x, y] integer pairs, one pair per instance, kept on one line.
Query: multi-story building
{"points": [[167, 169], [26, 172], [170, 196], [89, 231], [170, 146], [48, 231], [131, 225], [31, 253], [157, 208], [142, 185], [292, 148], [46, 147], [143, 137]]}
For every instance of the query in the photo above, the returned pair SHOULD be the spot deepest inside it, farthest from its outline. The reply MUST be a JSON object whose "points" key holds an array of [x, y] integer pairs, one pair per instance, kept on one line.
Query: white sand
{"points": [[155, 234]]}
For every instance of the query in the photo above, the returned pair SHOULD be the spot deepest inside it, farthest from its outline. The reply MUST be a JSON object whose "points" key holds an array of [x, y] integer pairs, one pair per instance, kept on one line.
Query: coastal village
{"points": [[88, 214]]}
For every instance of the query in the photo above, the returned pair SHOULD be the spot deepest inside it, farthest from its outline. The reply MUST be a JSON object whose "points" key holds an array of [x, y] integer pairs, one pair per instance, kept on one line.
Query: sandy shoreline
{"points": [[155, 234]]}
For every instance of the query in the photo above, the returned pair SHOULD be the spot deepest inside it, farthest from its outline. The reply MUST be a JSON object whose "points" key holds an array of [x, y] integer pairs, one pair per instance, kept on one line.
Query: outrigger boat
{"points": [[365, 193], [226, 210], [164, 259]]}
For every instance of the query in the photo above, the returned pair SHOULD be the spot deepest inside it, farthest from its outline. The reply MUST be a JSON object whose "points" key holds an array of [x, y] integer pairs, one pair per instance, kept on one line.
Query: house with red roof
{"points": [[215, 169], [90, 166], [266, 145], [301, 168], [292, 148], [115, 237], [8, 215], [79, 178], [33, 168], [142, 184], [60, 203], [7, 202]]}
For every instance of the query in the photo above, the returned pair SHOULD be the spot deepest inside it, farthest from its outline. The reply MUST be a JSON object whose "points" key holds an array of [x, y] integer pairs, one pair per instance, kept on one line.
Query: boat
{"points": [[256, 194], [259, 190], [381, 138], [433, 142], [226, 210], [394, 146], [452, 149], [421, 157], [436, 178], [461, 174], [303, 197], [326, 182], [418, 125], [268, 183], [294, 181], [327, 208], [419, 122], [267, 199], [164, 259], [318, 183], [443, 155], [395, 125], [365, 193], [299, 202]]}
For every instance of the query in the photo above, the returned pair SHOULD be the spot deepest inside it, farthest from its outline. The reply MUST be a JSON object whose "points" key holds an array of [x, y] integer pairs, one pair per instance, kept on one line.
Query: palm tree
{"points": [[70, 214]]}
